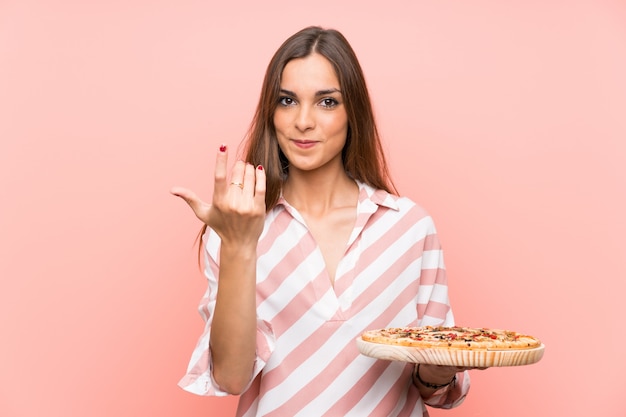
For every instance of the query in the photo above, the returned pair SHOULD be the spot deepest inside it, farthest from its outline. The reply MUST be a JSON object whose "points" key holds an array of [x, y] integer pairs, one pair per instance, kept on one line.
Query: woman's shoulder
{"points": [[413, 212]]}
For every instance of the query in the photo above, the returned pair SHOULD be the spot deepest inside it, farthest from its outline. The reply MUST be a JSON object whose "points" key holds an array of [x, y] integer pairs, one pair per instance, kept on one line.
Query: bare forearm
{"points": [[233, 331]]}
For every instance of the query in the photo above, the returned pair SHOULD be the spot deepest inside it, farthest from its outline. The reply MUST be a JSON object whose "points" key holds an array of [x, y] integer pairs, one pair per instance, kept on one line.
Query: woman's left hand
{"points": [[436, 375]]}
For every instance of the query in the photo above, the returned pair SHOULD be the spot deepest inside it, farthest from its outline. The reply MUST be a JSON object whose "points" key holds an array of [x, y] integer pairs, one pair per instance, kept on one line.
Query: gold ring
{"points": [[238, 184]]}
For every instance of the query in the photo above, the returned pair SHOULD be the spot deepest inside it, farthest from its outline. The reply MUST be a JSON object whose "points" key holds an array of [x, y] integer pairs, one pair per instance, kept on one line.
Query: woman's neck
{"points": [[316, 193]]}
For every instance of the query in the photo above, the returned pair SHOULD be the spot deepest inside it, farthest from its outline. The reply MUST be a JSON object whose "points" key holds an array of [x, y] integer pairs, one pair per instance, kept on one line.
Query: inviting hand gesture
{"points": [[237, 211]]}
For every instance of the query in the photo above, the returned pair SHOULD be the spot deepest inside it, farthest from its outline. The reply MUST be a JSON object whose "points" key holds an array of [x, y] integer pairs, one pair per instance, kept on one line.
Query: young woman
{"points": [[306, 245]]}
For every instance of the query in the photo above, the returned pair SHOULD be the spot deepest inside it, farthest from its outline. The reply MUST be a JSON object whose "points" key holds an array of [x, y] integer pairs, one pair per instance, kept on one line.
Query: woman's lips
{"points": [[304, 144]]}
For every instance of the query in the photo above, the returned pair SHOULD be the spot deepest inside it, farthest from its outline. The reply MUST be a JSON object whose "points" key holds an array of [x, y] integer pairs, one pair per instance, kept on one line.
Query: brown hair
{"points": [[362, 155]]}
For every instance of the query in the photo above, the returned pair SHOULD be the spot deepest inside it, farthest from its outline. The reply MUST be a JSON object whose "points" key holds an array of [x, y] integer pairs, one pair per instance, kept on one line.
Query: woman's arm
{"points": [[233, 332], [236, 214], [436, 310]]}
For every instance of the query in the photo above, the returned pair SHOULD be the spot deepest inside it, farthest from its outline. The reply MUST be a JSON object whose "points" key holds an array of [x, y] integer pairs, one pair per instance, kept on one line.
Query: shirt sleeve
{"points": [[434, 309], [198, 378]]}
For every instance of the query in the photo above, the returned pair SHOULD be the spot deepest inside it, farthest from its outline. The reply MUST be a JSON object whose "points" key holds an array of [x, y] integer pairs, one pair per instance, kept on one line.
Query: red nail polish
{"points": [[222, 148], [260, 167]]}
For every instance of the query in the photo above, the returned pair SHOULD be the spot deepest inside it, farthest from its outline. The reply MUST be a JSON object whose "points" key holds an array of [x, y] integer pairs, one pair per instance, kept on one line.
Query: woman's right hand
{"points": [[237, 215], [237, 211]]}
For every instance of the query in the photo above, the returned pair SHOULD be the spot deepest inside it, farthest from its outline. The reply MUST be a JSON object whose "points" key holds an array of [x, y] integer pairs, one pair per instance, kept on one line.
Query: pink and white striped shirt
{"points": [[307, 364]]}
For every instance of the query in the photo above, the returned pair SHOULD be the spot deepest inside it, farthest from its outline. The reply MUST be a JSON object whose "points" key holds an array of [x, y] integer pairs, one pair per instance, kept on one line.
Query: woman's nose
{"points": [[305, 118]]}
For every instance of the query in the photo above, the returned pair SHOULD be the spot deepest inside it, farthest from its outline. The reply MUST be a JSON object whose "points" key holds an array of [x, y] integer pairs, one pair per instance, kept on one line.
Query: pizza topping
{"points": [[452, 337]]}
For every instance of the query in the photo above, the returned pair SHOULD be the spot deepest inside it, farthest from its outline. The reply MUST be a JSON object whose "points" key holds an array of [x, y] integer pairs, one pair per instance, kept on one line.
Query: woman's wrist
{"points": [[432, 385]]}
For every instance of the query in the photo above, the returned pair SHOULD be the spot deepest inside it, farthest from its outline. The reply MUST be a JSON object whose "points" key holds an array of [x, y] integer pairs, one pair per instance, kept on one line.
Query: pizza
{"points": [[452, 338]]}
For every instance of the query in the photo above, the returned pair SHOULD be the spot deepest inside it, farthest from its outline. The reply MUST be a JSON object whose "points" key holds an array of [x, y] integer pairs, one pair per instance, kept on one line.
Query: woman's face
{"points": [[310, 120]]}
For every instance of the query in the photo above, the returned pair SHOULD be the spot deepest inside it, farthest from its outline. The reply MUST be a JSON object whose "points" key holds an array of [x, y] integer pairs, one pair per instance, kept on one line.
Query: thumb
{"points": [[198, 206]]}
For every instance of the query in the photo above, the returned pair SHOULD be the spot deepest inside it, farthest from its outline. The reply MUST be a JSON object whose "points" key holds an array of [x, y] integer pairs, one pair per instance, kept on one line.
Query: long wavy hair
{"points": [[363, 157]]}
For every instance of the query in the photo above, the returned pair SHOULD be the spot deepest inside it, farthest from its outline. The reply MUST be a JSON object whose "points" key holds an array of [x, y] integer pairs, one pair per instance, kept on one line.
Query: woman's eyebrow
{"points": [[328, 91], [317, 93]]}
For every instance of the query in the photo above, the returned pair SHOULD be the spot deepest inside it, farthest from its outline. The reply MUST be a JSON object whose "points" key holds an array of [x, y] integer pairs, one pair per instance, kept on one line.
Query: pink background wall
{"points": [[506, 119]]}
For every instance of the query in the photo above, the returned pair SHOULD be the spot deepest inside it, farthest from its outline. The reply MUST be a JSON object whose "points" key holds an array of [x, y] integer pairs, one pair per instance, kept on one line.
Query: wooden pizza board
{"points": [[451, 357]]}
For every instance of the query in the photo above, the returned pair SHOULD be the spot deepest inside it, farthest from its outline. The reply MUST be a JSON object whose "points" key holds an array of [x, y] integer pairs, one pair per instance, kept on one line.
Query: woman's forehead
{"points": [[309, 74]]}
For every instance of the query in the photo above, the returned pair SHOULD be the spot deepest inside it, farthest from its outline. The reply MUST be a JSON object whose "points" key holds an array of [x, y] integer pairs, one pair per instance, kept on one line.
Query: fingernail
{"points": [[222, 148], [260, 167]]}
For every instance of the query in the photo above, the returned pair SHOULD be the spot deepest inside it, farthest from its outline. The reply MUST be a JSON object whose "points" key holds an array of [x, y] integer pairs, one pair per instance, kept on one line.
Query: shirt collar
{"points": [[367, 195], [377, 196]]}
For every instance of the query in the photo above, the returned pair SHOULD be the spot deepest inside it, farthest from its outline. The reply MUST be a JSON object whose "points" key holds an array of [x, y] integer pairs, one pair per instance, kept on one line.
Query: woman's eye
{"points": [[286, 101], [329, 102]]}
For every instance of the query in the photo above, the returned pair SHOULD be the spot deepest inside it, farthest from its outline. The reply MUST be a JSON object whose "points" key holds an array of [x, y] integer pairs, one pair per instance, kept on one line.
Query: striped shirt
{"points": [[307, 363]]}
